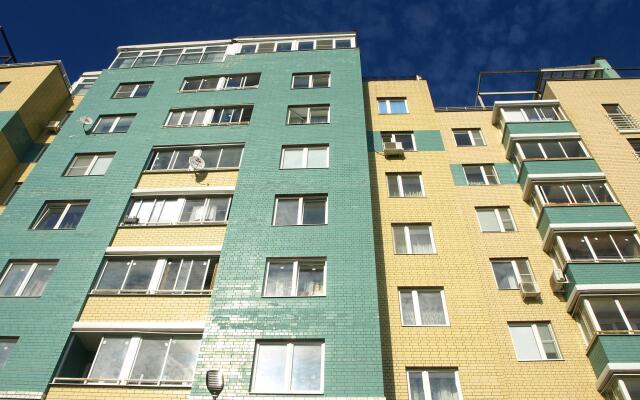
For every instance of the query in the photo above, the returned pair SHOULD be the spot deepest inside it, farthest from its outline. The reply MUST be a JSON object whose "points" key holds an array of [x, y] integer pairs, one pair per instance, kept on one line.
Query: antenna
{"points": [[196, 163], [86, 120]]}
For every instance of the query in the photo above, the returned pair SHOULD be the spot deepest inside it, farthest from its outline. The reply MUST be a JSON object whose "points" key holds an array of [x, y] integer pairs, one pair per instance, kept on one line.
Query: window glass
{"points": [[554, 193], [579, 193], [193, 210], [601, 192], [313, 211], [286, 212], [411, 185], [406, 304], [305, 45], [110, 357], [101, 165], [298, 115], [462, 138], [320, 80], [113, 275], [416, 386], [169, 57], [38, 281], [553, 149], [631, 307], [399, 240], [270, 370], [394, 188], [279, 278], [577, 247], [607, 314], [572, 148], [398, 106], [283, 46], [72, 217], [627, 244], [505, 218], [474, 175], [6, 345], [79, 165], [230, 157], [104, 124], [505, 275], [382, 107], [603, 246], [310, 278], [181, 360], [210, 157], [266, 47], [319, 115], [140, 272], [301, 81], [477, 137], [217, 209], [124, 91], [123, 124], [613, 109], [420, 238], [443, 385], [406, 140], [343, 44], [306, 368], [525, 342], [13, 278], [513, 115], [531, 150], [431, 308], [148, 366], [292, 158], [488, 220], [317, 157]]}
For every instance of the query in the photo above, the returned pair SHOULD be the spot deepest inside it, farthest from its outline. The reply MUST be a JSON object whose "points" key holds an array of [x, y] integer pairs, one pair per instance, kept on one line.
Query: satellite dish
{"points": [[196, 163], [86, 120]]}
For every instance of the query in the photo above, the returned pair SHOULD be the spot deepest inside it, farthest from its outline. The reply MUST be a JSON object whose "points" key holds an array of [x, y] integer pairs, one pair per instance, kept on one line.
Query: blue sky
{"points": [[446, 42]]}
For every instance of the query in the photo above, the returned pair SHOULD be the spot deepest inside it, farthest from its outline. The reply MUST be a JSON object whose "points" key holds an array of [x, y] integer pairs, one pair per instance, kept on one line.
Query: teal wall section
{"points": [[600, 273], [614, 349], [556, 167], [425, 141], [580, 214], [346, 319], [505, 171], [15, 131]]}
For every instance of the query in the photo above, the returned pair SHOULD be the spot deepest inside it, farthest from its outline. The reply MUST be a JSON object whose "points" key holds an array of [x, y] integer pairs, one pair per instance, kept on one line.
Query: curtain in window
{"points": [[443, 386]]}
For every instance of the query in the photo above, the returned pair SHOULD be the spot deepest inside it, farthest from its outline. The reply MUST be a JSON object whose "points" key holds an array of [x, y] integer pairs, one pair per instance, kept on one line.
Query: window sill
{"points": [[408, 197], [537, 361], [426, 326], [315, 123], [172, 225], [415, 254], [303, 88], [79, 382], [295, 169]]}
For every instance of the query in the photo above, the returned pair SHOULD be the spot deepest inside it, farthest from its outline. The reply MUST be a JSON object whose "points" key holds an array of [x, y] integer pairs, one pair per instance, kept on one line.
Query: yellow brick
{"points": [[146, 308]]}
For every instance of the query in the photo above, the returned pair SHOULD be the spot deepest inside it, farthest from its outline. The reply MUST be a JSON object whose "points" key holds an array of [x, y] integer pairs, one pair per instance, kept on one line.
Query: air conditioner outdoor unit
{"points": [[130, 221], [557, 280], [53, 126], [529, 290], [393, 149]]}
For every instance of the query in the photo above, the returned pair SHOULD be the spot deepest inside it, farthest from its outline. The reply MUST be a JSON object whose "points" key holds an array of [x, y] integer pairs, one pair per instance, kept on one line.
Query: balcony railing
{"points": [[624, 122], [121, 382]]}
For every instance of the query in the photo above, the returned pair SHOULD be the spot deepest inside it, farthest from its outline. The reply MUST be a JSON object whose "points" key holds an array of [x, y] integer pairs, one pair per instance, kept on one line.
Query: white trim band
{"points": [[612, 369], [162, 250], [140, 326], [598, 288], [183, 191]]}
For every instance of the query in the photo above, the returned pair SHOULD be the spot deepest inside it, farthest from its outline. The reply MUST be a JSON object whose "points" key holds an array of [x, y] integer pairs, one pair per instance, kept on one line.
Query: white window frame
{"points": [[556, 108], [484, 174], [521, 156], [308, 117], [310, 76], [156, 278], [496, 212], [565, 254], [399, 180], [469, 134], [5, 341], [300, 215], [387, 102], [91, 165], [516, 272], [538, 340], [426, 385], [180, 209], [294, 276], [197, 151], [305, 155], [159, 53], [393, 138], [133, 92], [223, 81], [26, 278], [289, 364], [416, 305], [208, 119], [68, 205], [571, 196], [113, 125], [407, 238], [618, 388], [586, 304]]}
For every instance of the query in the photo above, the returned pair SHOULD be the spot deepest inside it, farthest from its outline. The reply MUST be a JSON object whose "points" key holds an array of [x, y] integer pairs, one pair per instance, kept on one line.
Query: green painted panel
{"points": [[580, 214], [425, 141], [505, 171], [600, 273], [458, 175], [539, 127], [609, 72], [555, 167], [614, 349]]}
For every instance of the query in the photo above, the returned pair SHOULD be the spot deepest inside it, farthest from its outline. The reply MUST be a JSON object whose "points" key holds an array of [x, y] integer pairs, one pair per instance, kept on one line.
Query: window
{"points": [[599, 246], [172, 275], [620, 314], [89, 164], [283, 46], [132, 90], [413, 239], [575, 193], [306, 210], [113, 124], [468, 137], [623, 387], [60, 215], [3, 86], [423, 307], [295, 278], [145, 360], [534, 341], [495, 219], [406, 138], [178, 210], [510, 274], [613, 109], [532, 114], [393, 106], [12, 193], [620, 119], [220, 82], [215, 157], [304, 115], [551, 149], [434, 384], [171, 56], [83, 85], [227, 115], [481, 174], [313, 156], [25, 279], [288, 367], [6, 345], [635, 145], [405, 185], [311, 81]]}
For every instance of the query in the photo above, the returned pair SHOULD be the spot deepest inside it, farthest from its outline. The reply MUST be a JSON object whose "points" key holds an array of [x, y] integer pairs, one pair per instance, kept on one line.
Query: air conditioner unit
{"points": [[393, 149], [529, 290], [53, 126], [557, 280], [130, 221]]}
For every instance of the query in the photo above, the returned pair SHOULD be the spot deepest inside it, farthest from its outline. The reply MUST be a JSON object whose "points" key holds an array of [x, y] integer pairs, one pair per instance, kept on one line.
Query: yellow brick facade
{"points": [[150, 180], [206, 235], [145, 308], [477, 342], [115, 393]]}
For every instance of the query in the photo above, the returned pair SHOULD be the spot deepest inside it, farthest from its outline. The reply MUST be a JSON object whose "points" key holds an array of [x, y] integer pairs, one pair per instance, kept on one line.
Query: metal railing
{"points": [[121, 382], [624, 122]]}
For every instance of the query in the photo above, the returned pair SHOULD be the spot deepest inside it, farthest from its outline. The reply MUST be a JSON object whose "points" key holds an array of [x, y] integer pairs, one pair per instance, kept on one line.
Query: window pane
{"points": [[234, 82], [123, 124], [505, 276], [306, 369], [411, 185], [169, 211], [286, 212], [548, 113], [51, 215], [252, 80], [230, 157], [170, 274], [110, 357], [270, 371], [124, 91], [477, 137], [310, 278], [406, 303], [113, 275], [398, 107], [406, 140], [321, 80], [248, 48], [399, 240], [420, 240], [554, 193], [149, 360], [174, 118], [443, 385], [416, 386], [140, 275], [531, 150], [101, 165], [143, 90], [211, 157], [343, 44], [209, 83], [513, 115], [298, 115], [313, 211], [182, 159], [193, 210], [301, 81], [72, 218], [319, 115], [462, 138], [217, 209], [199, 118], [627, 244], [488, 220], [324, 44], [279, 276], [631, 307], [474, 174], [394, 189], [382, 107], [525, 342], [79, 165], [632, 384], [572, 148], [579, 193], [6, 345], [505, 217], [181, 361], [553, 149], [431, 308], [317, 157], [532, 114], [603, 246], [198, 274], [192, 84], [576, 247], [13, 279], [548, 342], [607, 314], [601, 192], [285, 46], [104, 124], [38, 281], [305, 45], [292, 158]]}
